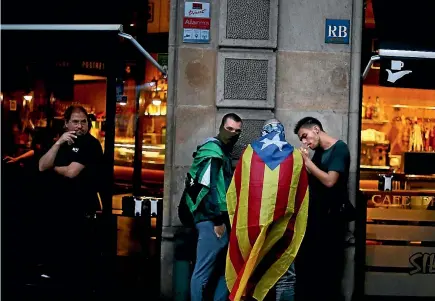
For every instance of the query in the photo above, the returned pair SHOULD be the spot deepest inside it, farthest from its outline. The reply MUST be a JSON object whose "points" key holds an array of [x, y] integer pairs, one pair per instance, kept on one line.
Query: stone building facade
{"points": [[265, 58]]}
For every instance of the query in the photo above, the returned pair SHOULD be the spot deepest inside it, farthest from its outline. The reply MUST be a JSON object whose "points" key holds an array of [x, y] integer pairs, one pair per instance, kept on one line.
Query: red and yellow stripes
{"points": [[268, 212]]}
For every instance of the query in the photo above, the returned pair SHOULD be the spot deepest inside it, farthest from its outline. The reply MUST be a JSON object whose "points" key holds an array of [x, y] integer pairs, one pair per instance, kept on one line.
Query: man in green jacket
{"points": [[208, 180]]}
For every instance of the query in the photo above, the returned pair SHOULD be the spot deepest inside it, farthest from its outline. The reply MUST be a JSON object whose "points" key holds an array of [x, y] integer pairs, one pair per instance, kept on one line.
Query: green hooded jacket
{"points": [[209, 160]]}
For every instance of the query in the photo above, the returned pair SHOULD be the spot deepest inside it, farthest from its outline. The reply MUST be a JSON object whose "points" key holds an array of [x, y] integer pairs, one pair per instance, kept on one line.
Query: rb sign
{"points": [[337, 31]]}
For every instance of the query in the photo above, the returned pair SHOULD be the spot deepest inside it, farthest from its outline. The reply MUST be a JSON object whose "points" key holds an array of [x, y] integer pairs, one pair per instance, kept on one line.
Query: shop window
{"points": [[151, 121], [397, 160]]}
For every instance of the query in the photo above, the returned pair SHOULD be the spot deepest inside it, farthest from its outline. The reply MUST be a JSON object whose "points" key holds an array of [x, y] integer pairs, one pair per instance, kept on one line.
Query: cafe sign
{"points": [[404, 201], [401, 72], [422, 263], [92, 65], [88, 67]]}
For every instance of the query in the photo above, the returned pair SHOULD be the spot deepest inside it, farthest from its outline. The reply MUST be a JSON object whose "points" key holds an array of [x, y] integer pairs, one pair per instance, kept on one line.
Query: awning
{"points": [[406, 44], [72, 12], [61, 41]]}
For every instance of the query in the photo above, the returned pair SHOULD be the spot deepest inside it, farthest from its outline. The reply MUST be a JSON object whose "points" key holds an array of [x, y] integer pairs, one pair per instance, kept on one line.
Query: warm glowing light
{"points": [[414, 107]]}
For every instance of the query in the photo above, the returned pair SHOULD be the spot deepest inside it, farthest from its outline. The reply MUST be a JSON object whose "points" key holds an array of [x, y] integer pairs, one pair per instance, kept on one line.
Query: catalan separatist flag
{"points": [[268, 206]]}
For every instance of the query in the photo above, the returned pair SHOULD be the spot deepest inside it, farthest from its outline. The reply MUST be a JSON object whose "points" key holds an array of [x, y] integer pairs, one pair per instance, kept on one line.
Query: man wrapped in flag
{"points": [[268, 208]]}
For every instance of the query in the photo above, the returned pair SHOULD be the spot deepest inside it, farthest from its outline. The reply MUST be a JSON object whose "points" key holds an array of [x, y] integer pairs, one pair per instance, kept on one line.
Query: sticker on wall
{"points": [[196, 22]]}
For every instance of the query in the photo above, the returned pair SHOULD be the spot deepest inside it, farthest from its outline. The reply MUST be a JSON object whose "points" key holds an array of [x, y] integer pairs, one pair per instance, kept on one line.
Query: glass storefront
{"points": [[127, 109], [150, 117], [397, 160], [36, 109]]}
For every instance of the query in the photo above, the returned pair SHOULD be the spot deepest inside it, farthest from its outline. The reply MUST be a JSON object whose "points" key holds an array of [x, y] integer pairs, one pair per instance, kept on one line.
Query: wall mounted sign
{"points": [[196, 22], [337, 31], [81, 67], [407, 73], [422, 263]]}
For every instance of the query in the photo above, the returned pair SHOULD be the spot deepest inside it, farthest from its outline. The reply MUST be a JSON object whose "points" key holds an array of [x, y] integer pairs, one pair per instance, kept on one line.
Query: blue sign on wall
{"points": [[337, 31]]}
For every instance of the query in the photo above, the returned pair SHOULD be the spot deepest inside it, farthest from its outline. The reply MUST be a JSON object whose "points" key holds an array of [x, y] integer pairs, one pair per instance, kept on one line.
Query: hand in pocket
{"points": [[219, 230]]}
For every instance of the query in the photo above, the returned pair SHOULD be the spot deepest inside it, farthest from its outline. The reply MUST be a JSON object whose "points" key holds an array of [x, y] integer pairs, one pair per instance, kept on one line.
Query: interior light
{"points": [[157, 102], [28, 97], [413, 107]]}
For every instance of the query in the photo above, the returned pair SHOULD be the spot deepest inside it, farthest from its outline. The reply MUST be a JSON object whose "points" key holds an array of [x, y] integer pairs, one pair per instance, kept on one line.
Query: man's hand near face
{"points": [[67, 137]]}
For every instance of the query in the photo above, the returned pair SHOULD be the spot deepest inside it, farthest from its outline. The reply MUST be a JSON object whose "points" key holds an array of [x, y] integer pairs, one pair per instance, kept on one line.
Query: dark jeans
{"points": [[285, 287], [210, 261]]}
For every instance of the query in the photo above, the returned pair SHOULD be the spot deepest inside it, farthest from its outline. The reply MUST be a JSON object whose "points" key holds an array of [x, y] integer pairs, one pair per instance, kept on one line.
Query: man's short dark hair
{"points": [[72, 109], [231, 116], [307, 122]]}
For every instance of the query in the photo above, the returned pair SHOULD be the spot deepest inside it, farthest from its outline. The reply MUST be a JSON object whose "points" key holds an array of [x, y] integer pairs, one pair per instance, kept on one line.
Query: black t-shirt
{"points": [[325, 201], [81, 192]]}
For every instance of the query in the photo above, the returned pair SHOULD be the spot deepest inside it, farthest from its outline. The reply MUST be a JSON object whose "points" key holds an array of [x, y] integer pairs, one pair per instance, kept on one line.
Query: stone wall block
{"points": [[193, 124], [196, 76], [313, 81]]}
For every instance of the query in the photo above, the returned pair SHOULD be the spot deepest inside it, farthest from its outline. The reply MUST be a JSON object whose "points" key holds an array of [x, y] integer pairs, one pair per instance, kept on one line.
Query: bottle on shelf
{"points": [[369, 109], [376, 109], [363, 110]]}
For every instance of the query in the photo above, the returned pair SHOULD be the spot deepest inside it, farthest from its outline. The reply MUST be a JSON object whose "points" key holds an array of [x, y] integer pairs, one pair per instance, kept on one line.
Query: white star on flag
{"points": [[275, 141]]}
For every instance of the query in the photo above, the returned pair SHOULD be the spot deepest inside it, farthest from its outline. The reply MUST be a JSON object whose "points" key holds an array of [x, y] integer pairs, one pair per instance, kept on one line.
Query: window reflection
{"points": [[151, 115]]}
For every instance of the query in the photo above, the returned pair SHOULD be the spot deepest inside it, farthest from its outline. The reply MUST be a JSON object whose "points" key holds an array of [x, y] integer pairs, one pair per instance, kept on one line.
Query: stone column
{"points": [[191, 117], [205, 82], [353, 279], [266, 58]]}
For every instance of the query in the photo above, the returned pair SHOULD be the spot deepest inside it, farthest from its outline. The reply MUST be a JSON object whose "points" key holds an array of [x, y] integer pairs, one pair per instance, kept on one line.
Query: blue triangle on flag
{"points": [[272, 149]]}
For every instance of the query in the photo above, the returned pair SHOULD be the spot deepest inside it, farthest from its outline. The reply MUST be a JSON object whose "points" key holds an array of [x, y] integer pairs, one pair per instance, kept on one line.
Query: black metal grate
{"points": [[248, 19], [246, 79]]}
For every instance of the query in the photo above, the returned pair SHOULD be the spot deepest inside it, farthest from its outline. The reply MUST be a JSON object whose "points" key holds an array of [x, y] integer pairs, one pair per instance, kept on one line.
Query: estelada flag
{"points": [[268, 207]]}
